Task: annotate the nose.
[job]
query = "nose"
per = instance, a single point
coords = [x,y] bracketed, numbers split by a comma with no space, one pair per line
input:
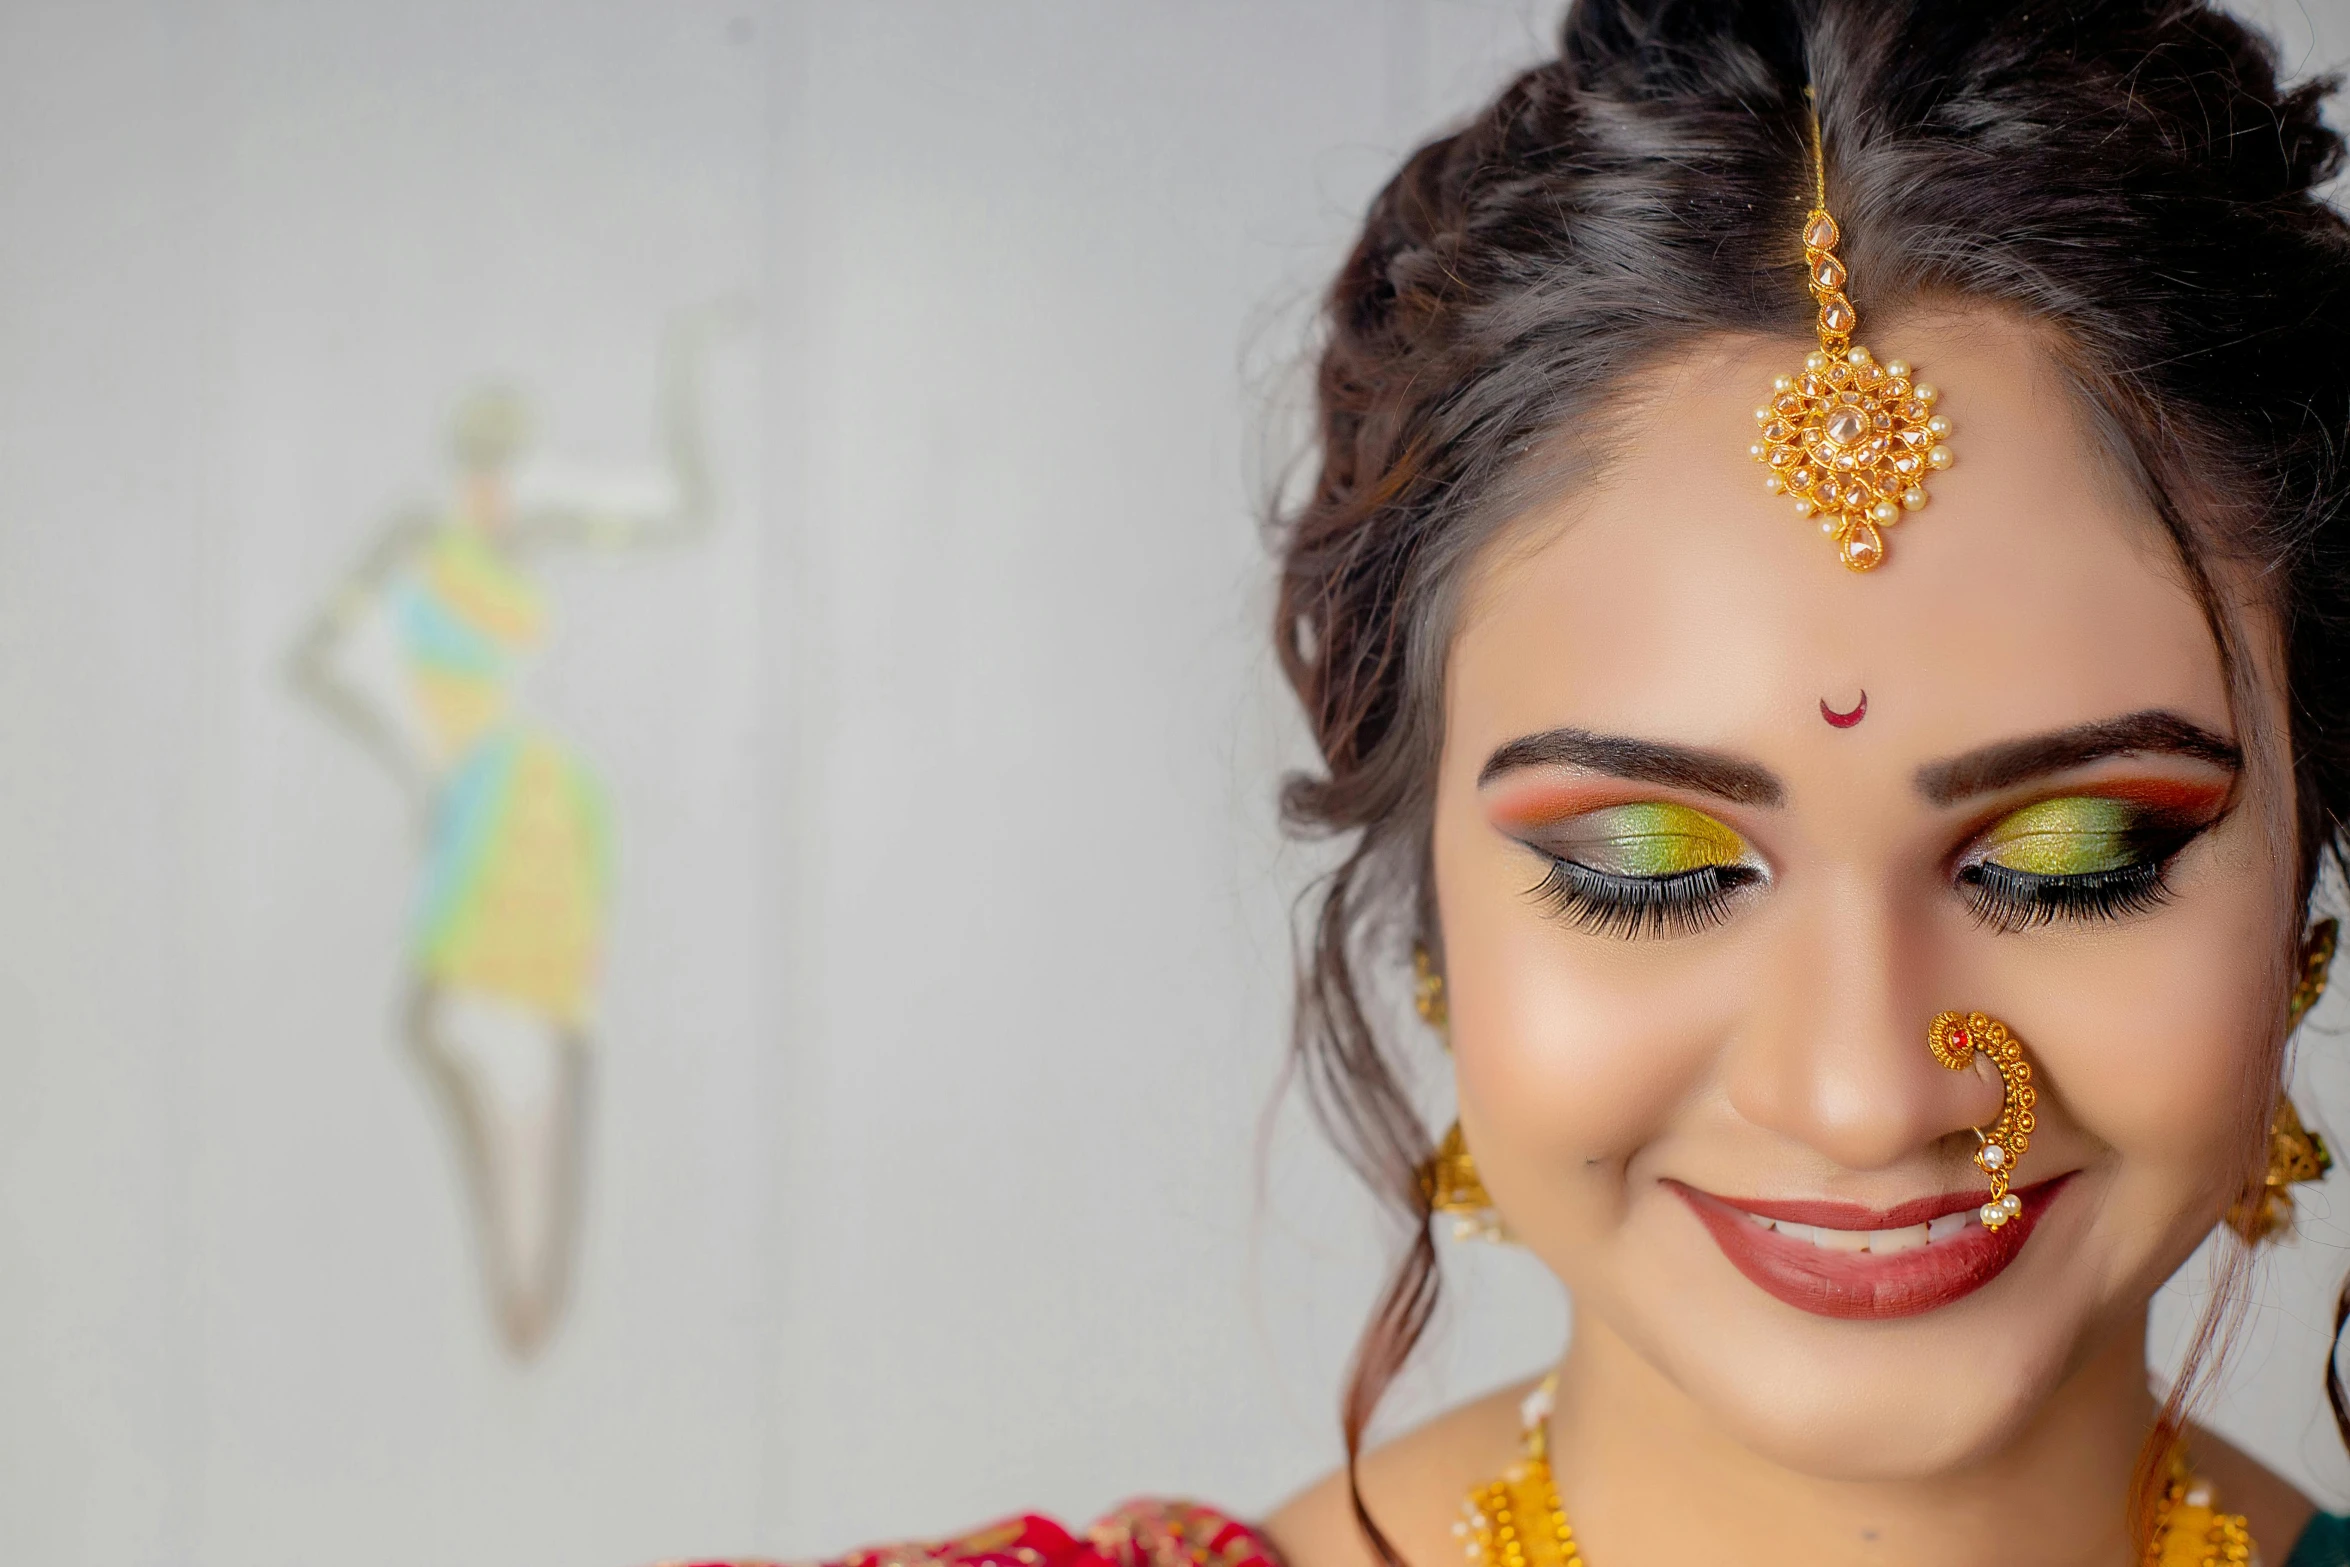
[1832,1052]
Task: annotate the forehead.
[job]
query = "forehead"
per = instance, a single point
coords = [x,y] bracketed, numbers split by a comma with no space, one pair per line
[1672,597]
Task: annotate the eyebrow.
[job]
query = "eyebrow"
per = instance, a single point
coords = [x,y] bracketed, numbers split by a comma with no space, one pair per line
[1649,761]
[2012,762]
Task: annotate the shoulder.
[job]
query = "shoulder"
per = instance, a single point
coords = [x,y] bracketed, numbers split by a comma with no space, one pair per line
[1412,1487]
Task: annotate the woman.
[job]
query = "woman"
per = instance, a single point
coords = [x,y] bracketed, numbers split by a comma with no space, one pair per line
[421,655]
[1865,903]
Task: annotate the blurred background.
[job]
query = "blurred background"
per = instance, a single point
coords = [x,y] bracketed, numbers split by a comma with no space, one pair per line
[844,799]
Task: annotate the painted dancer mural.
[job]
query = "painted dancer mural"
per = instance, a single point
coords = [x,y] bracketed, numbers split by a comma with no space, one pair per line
[419,657]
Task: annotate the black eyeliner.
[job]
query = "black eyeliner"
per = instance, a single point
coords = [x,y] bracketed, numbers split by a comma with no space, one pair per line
[2007,900]
[1633,907]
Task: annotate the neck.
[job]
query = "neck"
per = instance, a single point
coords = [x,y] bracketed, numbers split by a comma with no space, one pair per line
[1647,1477]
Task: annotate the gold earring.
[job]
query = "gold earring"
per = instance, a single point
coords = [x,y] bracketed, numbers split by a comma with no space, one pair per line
[1849,440]
[1954,1039]
[2295,1153]
[1452,1186]
[1449,1179]
[2317,961]
[1428,990]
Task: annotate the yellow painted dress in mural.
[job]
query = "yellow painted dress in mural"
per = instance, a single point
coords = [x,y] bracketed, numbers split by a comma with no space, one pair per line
[512,901]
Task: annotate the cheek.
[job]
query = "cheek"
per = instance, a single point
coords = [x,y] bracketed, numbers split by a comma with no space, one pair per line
[1571,1052]
[2161,1045]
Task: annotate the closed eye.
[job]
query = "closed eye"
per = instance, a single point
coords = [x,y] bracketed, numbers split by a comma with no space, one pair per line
[2076,858]
[1648,869]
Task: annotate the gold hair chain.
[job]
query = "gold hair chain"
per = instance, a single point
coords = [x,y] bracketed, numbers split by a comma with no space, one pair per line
[1851,440]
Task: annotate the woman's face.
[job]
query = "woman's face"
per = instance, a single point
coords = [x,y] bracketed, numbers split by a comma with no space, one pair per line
[1694,932]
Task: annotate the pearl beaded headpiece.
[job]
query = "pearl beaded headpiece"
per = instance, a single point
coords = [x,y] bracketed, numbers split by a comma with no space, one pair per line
[1851,440]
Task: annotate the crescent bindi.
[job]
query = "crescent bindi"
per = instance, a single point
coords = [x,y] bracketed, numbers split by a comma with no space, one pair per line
[1846,720]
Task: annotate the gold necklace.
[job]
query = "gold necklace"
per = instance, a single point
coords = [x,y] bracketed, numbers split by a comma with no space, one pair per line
[1516,1521]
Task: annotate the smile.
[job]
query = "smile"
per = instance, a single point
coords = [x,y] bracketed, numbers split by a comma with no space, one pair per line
[1841,1260]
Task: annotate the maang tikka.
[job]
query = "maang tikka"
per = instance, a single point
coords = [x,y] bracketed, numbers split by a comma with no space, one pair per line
[1851,440]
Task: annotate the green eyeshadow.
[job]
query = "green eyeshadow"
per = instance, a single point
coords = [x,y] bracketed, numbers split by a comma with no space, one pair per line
[1653,838]
[2077,835]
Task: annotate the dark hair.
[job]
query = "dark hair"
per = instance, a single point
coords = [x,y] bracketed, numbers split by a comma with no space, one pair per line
[2127,174]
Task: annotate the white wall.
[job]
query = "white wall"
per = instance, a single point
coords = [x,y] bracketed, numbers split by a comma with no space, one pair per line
[948,964]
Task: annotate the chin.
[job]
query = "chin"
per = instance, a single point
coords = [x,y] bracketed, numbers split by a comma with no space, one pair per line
[1826,1417]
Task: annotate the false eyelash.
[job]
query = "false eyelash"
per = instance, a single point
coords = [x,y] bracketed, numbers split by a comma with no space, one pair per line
[2007,900]
[1637,906]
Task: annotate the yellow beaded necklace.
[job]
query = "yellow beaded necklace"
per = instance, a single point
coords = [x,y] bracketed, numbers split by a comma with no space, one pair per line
[1516,1521]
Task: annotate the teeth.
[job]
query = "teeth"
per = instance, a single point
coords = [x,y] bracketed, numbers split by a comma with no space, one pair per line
[1883,1242]
[1908,1238]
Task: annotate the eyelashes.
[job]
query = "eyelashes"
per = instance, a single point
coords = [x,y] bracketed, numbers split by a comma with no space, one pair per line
[1632,907]
[1649,869]
[1667,870]
[2007,900]
[2082,858]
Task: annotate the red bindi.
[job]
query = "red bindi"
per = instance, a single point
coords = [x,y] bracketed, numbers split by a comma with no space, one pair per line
[1845,720]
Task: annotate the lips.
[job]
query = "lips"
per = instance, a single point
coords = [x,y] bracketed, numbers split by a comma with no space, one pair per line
[1907,1277]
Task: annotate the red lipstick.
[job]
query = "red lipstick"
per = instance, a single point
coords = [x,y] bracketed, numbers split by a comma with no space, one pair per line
[1866,1284]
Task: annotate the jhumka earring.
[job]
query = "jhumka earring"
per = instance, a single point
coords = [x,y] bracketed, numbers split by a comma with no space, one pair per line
[1851,440]
[1449,1179]
[1428,990]
[2295,1154]
[1954,1039]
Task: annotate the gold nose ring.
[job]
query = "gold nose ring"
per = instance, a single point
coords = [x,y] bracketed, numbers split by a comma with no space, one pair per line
[1954,1038]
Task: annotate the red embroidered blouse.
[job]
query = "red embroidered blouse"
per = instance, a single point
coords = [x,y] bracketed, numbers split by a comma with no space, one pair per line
[1139,1534]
